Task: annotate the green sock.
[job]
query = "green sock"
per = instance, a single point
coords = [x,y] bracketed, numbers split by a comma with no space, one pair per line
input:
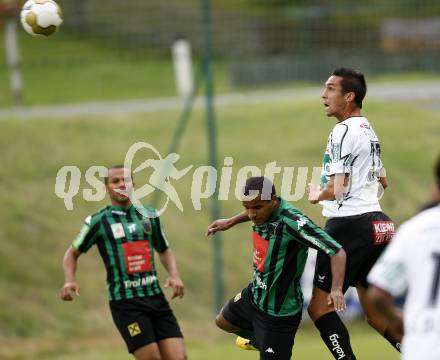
[248,334]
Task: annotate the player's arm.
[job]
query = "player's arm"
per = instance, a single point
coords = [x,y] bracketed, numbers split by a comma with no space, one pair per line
[336,296]
[81,244]
[173,280]
[334,189]
[307,232]
[383,180]
[70,286]
[225,224]
[167,258]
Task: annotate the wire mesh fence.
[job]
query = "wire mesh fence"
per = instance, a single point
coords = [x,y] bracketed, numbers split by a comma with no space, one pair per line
[259,42]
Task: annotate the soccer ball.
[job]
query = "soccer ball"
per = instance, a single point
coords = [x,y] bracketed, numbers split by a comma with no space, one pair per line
[41,17]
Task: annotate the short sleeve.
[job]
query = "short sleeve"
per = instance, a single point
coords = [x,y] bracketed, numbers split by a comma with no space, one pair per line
[341,150]
[160,241]
[88,235]
[389,272]
[305,231]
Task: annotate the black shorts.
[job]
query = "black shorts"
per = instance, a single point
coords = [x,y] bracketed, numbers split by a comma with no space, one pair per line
[145,320]
[275,335]
[363,237]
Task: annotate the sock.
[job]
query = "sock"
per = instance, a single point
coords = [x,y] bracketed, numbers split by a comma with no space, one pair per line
[248,334]
[335,335]
[396,344]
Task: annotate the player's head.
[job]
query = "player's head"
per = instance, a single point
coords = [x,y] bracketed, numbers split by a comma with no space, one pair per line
[352,81]
[259,199]
[343,93]
[119,185]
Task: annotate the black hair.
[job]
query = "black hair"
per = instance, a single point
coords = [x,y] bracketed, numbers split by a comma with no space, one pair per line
[119,166]
[352,81]
[259,185]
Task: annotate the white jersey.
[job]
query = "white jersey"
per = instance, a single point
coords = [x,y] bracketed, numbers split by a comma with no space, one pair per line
[353,148]
[412,262]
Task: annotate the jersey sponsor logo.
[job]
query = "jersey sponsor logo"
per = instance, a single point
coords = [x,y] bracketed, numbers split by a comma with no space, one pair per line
[118,230]
[365,126]
[383,232]
[131,228]
[260,283]
[137,257]
[336,347]
[144,281]
[260,251]
[134,329]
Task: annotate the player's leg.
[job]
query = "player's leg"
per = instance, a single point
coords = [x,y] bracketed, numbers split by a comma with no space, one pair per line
[347,231]
[377,232]
[377,321]
[246,338]
[135,328]
[172,349]
[276,335]
[333,331]
[166,329]
[147,352]
[236,316]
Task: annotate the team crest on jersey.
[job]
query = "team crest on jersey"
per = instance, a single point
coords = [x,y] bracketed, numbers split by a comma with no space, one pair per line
[118,230]
[146,225]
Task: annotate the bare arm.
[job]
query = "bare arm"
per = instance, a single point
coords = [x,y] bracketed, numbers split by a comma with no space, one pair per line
[384,182]
[336,295]
[168,261]
[70,286]
[333,190]
[225,224]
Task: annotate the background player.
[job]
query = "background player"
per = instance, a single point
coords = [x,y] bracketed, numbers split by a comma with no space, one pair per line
[412,263]
[353,176]
[126,239]
[268,311]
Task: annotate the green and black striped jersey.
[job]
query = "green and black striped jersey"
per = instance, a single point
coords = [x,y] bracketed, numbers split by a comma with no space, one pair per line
[280,253]
[125,240]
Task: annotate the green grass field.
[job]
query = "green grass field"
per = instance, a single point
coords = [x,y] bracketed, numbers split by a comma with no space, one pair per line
[36,228]
[213,346]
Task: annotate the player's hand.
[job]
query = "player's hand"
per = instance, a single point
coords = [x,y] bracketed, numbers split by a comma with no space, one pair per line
[176,284]
[336,297]
[68,290]
[218,225]
[313,191]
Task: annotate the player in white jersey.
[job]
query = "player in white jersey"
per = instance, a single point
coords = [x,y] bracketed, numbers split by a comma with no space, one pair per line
[353,176]
[412,264]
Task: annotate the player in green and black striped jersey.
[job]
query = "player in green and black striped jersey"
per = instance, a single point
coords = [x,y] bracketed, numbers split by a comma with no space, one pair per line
[126,237]
[268,311]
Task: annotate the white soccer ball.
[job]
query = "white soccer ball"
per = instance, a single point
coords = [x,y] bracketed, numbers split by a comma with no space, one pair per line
[41,17]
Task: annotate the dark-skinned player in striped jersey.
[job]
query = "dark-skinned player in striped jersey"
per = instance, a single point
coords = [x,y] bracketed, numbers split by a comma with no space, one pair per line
[266,314]
[126,237]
